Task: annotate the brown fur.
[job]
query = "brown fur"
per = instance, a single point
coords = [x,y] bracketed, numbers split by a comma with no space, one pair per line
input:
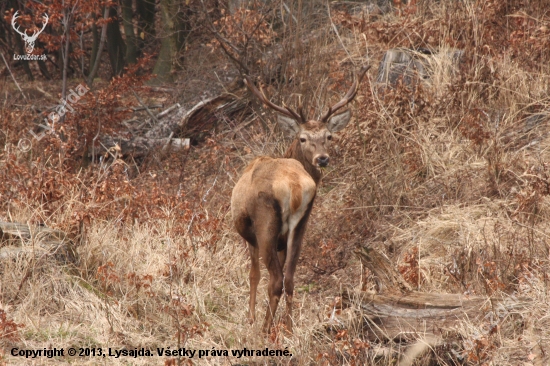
[272,201]
[267,200]
[296,197]
[267,195]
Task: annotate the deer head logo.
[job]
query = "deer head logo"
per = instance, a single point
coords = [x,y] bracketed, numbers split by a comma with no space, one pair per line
[29,40]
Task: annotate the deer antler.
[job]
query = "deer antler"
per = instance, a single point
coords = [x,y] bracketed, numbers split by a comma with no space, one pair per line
[349,95]
[24,34]
[45,17]
[16,27]
[287,111]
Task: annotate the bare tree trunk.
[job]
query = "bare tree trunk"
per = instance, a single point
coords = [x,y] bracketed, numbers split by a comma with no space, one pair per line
[174,33]
[115,43]
[146,20]
[4,31]
[97,59]
[131,39]
[41,63]
[67,29]
[95,45]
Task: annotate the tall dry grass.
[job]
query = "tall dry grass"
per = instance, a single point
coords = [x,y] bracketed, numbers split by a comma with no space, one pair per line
[452,171]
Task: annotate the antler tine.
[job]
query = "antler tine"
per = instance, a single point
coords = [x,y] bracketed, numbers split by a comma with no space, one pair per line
[44,24]
[16,27]
[46,18]
[349,95]
[260,94]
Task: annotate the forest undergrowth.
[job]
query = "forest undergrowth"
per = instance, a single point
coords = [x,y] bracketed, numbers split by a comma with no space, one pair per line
[447,175]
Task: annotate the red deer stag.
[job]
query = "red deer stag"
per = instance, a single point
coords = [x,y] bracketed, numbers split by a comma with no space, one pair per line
[272,201]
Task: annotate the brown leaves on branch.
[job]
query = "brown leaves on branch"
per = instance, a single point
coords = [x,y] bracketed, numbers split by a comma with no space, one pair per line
[9,330]
[242,27]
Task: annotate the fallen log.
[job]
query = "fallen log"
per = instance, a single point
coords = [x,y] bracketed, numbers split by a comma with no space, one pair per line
[414,66]
[18,239]
[195,123]
[398,314]
[139,147]
[205,117]
[396,309]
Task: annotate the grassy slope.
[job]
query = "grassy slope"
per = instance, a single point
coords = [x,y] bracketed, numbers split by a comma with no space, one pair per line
[453,188]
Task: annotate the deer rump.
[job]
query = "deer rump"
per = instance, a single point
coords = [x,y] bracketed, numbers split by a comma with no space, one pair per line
[276,207]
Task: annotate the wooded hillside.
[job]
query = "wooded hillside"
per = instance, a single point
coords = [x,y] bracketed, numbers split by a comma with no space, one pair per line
[126,124]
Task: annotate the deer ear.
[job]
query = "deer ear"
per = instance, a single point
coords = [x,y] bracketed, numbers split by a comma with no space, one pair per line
[339,121]
[289,125]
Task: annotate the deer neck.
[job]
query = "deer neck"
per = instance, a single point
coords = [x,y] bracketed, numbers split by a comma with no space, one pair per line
[295,152]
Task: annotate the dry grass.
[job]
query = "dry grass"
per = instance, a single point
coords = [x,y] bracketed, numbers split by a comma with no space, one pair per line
[458,178]
[207,290]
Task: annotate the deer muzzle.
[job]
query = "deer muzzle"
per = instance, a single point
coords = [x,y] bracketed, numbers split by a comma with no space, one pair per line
[322,160]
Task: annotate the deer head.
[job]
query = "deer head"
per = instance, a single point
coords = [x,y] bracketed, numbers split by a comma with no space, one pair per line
[29,40]
[312,137]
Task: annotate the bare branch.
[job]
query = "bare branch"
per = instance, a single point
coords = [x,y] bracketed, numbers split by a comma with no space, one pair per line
[13,77]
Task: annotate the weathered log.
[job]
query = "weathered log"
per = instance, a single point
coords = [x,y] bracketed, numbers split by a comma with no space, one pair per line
[204,117]
[18,239]
[397,313]
[383,270]
[139,147]
[413,66]
[415,315]
[400,63]
[420,320]
[168,110]
[175,122]
[194,123]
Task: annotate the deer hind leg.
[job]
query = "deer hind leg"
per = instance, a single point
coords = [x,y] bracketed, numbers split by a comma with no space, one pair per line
[281,249]
[267,232]
[295,238]
[267,236]
[275,285]
[245,228]
[254,280]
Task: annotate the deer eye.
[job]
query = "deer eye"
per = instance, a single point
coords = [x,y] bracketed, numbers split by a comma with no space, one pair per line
[329,137]
[302,139]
